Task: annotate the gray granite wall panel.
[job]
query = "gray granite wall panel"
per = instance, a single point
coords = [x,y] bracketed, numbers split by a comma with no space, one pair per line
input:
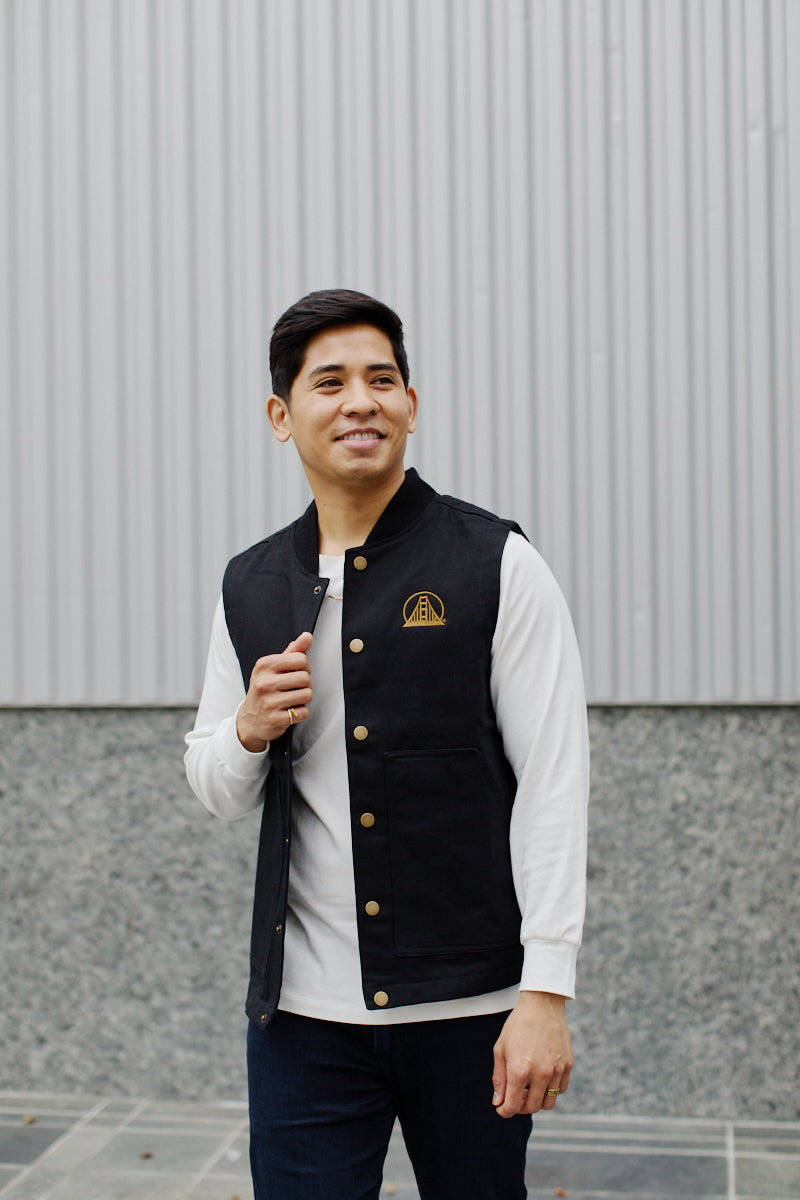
[126,910]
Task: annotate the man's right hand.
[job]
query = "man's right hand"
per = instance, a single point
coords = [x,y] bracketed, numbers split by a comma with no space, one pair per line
[278,683]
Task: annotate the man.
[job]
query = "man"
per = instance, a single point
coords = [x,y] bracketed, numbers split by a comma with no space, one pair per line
[394,680]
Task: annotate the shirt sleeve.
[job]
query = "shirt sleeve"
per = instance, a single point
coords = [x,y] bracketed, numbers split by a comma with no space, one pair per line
[539,700]
[226,777]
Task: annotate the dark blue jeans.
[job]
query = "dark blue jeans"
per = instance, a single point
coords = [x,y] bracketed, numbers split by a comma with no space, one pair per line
[324,1096]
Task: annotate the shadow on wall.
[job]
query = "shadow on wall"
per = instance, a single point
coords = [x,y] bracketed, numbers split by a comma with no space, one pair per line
[126,913]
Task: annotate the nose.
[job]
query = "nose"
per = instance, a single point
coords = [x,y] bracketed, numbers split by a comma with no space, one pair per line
[358,398]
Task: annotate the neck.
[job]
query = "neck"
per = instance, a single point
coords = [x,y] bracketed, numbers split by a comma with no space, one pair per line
[347,520]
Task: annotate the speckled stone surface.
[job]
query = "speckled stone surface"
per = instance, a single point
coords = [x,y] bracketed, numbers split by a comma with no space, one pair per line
[126,912]
[689,983]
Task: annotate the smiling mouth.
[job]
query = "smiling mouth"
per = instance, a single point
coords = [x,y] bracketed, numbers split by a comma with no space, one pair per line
[360,437]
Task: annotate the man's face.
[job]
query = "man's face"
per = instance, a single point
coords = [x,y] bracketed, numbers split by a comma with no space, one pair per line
[349,412]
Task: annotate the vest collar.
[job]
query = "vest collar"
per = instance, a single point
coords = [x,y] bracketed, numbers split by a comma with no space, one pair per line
[408,502]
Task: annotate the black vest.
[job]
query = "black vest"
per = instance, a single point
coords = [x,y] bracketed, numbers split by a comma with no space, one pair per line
[425,761]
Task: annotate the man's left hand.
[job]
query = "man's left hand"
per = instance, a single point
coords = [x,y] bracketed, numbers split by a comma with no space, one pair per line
[532,1056]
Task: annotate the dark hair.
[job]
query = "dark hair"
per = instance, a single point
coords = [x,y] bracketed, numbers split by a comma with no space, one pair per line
[325,310]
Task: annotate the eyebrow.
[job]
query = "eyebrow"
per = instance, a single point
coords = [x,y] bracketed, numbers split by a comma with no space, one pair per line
[338,369]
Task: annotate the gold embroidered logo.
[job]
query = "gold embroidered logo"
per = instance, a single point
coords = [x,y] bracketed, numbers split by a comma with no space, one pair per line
[423,608]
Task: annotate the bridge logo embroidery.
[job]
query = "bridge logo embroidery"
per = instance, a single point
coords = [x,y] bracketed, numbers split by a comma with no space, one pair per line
[423,608]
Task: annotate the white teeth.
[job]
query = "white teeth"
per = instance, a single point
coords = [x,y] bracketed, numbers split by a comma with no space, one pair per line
[358,437]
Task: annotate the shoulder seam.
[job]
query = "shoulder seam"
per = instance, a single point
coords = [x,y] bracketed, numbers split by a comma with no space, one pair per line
[475,510]
[271,537]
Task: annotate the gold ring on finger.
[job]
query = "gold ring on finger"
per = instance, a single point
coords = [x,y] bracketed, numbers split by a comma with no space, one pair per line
[292,716]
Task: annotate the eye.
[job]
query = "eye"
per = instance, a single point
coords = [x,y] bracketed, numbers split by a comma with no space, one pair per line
[329,383]
[384,381]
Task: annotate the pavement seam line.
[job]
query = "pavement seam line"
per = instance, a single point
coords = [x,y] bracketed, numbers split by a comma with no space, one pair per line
[730,1147]
[51,1149]
[215,1158]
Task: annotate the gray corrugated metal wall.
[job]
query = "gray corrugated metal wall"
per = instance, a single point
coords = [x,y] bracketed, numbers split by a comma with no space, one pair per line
[588,212]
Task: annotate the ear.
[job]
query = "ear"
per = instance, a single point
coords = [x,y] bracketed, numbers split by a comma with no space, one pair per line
[412,410]
[279,418]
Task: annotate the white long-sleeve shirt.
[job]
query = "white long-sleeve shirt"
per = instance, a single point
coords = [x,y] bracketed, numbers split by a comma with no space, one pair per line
[538,697]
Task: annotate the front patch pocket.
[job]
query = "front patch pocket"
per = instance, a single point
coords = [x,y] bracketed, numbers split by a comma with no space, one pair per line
[448,844]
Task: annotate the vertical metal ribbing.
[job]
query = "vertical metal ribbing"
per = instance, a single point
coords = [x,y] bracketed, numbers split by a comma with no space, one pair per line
[586,214]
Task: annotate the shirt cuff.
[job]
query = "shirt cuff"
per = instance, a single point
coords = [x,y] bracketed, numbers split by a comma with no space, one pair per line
[245,764]
[549,967]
